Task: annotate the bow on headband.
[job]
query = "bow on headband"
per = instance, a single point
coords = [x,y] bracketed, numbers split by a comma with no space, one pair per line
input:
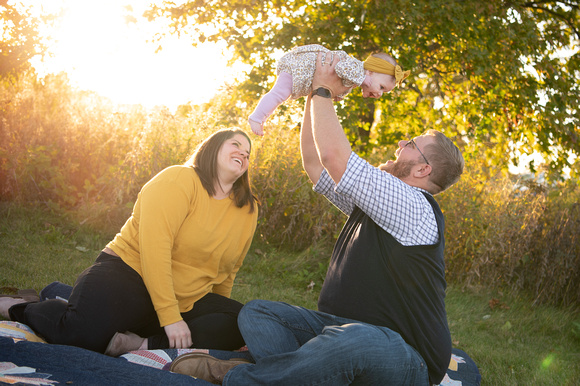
[382,66]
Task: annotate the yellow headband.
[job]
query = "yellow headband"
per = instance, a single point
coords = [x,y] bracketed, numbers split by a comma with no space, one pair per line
[383,67]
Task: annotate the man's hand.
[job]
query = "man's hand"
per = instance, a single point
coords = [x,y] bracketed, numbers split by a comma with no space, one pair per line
[325,75]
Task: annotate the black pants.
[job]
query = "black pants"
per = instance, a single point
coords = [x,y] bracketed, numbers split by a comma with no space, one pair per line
[110,297]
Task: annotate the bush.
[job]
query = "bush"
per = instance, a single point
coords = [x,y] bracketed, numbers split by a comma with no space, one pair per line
[77,151]
[512,234]
[291,214]
[553,266]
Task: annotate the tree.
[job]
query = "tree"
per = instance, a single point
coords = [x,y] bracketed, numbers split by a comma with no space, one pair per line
[500,73]
[20,39]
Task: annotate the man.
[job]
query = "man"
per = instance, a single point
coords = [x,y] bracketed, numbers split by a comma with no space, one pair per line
[381,317]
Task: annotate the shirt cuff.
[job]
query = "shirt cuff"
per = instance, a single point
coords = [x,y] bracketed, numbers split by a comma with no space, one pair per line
[325,184]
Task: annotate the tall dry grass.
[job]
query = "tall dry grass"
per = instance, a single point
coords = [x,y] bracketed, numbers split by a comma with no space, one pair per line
[505,232]
[77,152]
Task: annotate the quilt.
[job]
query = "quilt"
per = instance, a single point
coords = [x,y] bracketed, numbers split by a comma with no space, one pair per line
[25,359]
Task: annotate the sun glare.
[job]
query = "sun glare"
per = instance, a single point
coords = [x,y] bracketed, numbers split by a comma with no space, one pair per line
[102,51]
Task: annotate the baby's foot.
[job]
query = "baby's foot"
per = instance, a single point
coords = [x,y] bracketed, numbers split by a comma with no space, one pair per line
[256,127]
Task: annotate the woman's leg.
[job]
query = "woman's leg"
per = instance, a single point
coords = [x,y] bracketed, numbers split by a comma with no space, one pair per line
[107,297]
[213,324]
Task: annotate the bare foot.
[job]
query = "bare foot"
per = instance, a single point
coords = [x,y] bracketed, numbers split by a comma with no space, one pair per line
[256,127]
[6,303]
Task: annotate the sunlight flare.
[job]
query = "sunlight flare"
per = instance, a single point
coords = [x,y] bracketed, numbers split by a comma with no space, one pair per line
[107,47]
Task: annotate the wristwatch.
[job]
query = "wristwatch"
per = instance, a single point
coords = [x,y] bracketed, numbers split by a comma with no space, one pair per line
[323,92]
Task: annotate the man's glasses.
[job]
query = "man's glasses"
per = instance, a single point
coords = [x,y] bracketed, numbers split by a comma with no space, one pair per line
[416,147]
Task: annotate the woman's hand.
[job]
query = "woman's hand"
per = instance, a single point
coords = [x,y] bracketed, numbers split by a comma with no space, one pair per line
[179,335]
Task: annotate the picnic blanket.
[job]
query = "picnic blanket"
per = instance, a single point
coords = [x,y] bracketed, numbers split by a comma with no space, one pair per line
[35,363]
[25,359]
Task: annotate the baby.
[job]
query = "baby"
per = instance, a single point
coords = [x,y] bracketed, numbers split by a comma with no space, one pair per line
[378,74]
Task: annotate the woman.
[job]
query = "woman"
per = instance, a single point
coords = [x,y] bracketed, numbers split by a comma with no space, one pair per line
[164,281]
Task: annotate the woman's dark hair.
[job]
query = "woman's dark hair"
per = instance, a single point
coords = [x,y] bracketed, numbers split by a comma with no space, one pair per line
[204,162]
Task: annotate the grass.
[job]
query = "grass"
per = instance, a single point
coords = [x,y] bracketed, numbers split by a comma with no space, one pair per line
[39,247]
[512,341]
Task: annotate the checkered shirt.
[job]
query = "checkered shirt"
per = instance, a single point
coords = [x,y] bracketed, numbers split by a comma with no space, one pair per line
[400,209]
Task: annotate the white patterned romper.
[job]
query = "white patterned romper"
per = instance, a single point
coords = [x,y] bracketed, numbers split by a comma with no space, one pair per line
[301,64]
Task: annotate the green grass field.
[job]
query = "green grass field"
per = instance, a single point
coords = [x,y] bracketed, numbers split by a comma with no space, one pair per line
[512,341]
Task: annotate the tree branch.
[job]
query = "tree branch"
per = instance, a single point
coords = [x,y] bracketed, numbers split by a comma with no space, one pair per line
[568,21]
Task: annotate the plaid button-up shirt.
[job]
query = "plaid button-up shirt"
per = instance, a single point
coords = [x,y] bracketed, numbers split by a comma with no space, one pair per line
[398,208]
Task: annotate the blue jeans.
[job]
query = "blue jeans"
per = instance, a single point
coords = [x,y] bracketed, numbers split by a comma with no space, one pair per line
[296,346]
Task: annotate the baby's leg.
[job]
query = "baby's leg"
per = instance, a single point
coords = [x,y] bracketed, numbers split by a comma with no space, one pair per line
[269,102]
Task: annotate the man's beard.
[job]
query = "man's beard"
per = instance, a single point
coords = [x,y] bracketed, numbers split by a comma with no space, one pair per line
[401,169]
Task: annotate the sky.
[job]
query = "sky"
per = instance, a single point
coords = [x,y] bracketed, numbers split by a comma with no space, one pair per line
[100,51]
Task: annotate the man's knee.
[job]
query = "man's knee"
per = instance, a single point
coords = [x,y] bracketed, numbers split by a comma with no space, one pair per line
[363,334]
[262,310]
[259,307]
[252,309]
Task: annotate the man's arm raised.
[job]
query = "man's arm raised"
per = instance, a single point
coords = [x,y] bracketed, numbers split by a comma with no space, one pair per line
[331,143]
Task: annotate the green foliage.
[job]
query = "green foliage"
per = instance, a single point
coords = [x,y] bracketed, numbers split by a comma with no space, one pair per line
[75,149]
[502,74]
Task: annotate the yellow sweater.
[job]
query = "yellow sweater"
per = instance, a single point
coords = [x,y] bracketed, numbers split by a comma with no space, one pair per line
[183,242]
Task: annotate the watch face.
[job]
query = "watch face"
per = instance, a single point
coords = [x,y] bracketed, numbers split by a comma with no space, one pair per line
[323,92]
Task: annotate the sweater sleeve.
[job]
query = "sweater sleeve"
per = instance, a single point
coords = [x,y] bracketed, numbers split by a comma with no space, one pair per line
[164,205]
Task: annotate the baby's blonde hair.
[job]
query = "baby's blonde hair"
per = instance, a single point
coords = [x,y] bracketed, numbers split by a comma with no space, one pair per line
[384,63]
